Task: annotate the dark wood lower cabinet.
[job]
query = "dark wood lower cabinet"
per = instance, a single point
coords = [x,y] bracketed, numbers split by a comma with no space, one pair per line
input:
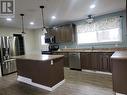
[66,57]
[105,64]
[85,59]
[97,61]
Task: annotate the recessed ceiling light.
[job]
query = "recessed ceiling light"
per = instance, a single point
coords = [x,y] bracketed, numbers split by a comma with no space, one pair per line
[53,17]
[8,19]
[31,23]
[92,6]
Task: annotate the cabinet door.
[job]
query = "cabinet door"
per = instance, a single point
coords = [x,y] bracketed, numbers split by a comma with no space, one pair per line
[66,55]
[69,33]
[58,35]
[95,58]
[66,58]
[105,64]
[109,62]
[85,59]
[63,34]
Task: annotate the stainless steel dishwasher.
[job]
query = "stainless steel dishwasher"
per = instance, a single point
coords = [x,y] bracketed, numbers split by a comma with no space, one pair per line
[74,61]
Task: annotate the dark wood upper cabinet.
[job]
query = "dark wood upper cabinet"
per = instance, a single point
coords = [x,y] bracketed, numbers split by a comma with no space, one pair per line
[63,34]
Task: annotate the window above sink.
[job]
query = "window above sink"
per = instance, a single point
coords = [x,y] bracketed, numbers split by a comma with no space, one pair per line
[105,30]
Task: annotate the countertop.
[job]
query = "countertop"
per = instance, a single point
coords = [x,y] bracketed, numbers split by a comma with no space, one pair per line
[74,50]
[119,55]
[38,57]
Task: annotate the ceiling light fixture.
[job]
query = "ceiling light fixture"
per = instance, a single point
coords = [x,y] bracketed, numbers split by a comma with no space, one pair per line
[22,22]
[90,19]
[8,19]
[43,25]
[53,17]
[92,6]
[31,23]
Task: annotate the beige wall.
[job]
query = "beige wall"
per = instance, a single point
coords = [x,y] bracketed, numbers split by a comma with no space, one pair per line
[38,46]
[29,40]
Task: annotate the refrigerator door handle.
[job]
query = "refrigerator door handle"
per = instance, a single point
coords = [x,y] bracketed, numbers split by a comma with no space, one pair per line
[6,65]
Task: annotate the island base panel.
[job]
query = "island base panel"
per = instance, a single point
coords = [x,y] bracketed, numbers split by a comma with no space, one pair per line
[42,72]
[29,81]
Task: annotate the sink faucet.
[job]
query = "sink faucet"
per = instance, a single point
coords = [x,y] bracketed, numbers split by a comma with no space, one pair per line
[92,47]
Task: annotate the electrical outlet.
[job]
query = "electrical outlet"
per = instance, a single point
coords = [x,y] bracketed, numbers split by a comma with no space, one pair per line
[51,62]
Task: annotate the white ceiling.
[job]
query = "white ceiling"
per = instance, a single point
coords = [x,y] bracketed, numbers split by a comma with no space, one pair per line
[64,10]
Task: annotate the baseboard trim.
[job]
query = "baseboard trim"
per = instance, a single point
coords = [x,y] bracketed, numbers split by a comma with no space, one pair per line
[98,72]
[29,81]
[75,69]
[120,94]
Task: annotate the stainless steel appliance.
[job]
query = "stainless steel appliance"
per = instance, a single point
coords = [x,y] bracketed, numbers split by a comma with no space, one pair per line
[50,39]
[74,61]
[46,52]
[53,47]
[8,47]
[17,45]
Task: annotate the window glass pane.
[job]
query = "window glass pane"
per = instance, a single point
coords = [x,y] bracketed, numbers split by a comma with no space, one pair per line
[108,35]
[43,40]
[88,37]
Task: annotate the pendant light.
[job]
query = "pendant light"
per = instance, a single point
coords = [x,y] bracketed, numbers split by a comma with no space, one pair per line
[22,22]
[43,25]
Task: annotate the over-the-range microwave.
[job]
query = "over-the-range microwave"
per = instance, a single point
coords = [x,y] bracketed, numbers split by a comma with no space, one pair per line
[50,39]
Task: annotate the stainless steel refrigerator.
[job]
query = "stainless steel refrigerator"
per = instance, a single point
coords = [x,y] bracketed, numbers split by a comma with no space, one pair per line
[9,46]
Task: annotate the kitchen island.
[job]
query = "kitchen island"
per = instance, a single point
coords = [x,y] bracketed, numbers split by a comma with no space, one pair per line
[43,71]
[119,71]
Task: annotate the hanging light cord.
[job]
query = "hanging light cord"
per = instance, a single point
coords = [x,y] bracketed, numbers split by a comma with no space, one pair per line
[42,7]
[22,15]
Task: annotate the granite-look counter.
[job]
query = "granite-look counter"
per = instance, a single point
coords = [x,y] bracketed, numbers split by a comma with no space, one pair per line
[38,57]
[119,55]
[79,51]
[43,71]
[69,50]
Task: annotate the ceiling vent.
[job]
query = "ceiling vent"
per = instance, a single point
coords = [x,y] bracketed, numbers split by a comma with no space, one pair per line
[90,19]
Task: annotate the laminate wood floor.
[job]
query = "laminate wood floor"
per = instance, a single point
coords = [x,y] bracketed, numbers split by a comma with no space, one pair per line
[77,83]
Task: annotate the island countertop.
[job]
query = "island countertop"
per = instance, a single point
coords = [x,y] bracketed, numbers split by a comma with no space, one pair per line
[39,57]
[119,55]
